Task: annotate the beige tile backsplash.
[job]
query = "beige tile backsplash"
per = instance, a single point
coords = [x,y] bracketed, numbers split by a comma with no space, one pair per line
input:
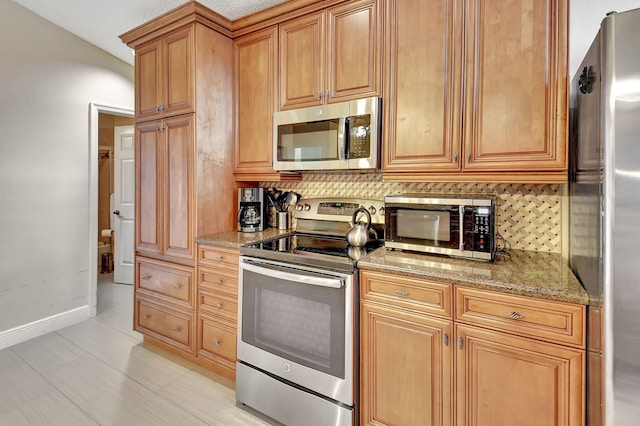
[529,215]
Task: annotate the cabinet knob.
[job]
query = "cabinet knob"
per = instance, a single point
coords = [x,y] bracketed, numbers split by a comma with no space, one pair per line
[146,277]
[219,305]
[445,339]
[460,342]
[217,281]
[455,157]
[514,315]
[178,285]
[401,293]
[146,316]
[177,329]
[217,342]
[218,257]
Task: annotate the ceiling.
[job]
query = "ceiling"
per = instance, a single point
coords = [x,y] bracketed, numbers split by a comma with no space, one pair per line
[100,22]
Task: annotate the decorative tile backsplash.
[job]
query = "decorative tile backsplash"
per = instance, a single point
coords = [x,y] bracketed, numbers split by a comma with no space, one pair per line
[529,215]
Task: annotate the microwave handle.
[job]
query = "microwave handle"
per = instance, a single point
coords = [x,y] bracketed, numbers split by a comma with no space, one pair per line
[343,138]
[461,227]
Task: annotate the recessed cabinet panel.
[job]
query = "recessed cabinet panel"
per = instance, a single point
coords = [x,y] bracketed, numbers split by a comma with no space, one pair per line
[179,96]
[148,88]
[149,187]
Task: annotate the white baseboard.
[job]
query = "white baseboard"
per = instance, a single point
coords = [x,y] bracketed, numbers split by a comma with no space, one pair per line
[25,332]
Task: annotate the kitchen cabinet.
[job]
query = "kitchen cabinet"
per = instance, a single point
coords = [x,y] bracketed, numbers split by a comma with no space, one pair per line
[480,94]
[518,360]
[184,164]
[217,309]
[406,351]
[331,56]
[164,78]
[510,360]
[255,82]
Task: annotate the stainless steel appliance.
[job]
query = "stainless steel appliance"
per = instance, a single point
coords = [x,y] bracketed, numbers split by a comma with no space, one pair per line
[340,136]
[252,209]
[297,342]
[463,227]
[604,204]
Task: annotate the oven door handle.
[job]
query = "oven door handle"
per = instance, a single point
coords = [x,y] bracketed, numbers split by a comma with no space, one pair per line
[298,278]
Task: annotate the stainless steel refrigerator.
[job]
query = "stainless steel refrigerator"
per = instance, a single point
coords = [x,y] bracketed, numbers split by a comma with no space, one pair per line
[604,224]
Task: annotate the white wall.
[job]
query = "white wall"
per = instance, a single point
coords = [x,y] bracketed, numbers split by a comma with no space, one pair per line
[48,77]
[585,18]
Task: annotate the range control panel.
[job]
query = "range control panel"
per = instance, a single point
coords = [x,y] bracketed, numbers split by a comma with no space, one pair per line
[338,209]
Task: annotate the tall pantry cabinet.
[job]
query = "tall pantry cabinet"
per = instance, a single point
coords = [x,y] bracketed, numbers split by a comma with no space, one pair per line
[184,163]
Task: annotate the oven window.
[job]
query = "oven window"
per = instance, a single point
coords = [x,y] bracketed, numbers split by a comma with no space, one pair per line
[314,141]
[300,322]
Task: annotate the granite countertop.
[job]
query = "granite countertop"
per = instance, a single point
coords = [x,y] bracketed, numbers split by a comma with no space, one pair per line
[527,273]
[235,239]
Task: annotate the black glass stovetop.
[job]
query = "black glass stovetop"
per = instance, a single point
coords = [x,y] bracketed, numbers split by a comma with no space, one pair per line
[311,249]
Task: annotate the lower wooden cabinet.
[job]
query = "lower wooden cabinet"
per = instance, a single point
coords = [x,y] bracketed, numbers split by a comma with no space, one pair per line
[405,367]
[164,323]
[511,380]
[499,360]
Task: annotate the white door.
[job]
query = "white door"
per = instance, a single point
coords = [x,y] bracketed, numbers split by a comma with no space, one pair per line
[124,205]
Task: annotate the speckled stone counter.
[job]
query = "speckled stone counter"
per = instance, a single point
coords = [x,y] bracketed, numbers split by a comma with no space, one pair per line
[235,239]
[526,273]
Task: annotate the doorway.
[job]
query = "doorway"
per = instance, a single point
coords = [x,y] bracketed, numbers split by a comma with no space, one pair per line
[102,122]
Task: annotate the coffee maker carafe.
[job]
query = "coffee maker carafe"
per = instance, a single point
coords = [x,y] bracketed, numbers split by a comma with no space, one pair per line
[251,209]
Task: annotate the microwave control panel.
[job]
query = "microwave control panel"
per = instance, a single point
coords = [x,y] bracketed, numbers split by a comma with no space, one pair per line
[359,136]
[483,238]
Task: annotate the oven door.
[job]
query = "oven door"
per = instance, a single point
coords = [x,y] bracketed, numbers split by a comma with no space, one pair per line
[297,323]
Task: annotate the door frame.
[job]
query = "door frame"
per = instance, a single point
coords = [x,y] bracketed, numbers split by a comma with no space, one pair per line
[94,110]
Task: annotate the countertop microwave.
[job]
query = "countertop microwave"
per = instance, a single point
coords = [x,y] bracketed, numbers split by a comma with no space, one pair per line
[339,136]
[462,227]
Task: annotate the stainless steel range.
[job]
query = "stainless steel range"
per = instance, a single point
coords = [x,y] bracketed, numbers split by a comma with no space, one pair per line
[298,317]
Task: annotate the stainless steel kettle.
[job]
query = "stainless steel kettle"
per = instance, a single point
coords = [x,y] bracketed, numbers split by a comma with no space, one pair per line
[361,233]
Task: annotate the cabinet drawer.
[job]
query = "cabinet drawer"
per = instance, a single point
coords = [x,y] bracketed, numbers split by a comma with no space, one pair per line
[163,323]
[218,280]
[217,339]
[218,304]
[218,257]
[411,293]
[162,279]
[543,319]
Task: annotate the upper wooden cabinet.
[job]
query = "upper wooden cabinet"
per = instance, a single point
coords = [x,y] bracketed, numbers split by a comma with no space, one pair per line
[331,56]
[479,91]
[164,76]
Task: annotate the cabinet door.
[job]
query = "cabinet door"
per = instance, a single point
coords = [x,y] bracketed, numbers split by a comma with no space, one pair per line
[255,78]
[178,241]
[149,148]
[354,43]
[516,85]
[405,368]
[179,71]
[503,380]
[302,62]
[148,87]
[422,98]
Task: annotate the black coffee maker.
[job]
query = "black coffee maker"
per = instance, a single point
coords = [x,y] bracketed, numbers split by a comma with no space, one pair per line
[251,209]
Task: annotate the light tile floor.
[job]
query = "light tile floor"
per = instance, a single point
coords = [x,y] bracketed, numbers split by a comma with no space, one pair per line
[99,372]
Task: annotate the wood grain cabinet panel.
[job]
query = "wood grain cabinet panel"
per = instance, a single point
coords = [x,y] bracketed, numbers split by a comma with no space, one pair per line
[217,341]
[503,379]
[331,56]
[482,90]
[164,323]
[218,280]
[165,280]
[219,258]
[219,304]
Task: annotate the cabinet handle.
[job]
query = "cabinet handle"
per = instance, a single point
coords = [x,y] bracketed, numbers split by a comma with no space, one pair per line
[157,108]
[455,157]
[514,315]
[217,342]
[162,108]
[326,94]
[445,339]
[217,281]
[146,316]
[218,257]
[319,95]
[178,285]
[146,278]
[468,157]
[177,329]
[219,305]
[401,293]
[460,342]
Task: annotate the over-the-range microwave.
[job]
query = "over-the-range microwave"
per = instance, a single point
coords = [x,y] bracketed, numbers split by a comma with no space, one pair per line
[339,136]
[462,227]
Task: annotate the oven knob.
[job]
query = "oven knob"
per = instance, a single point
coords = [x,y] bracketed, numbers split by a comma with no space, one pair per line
[307,207]
[372,210]
[299,207]
[286,367]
